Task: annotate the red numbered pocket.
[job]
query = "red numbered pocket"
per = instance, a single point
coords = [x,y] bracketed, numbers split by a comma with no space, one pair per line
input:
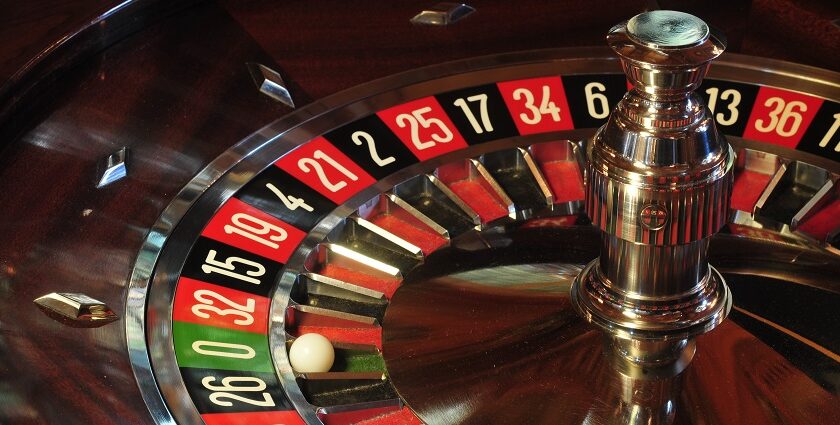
[213,305]
[321,166]
[247,228]
[537,105]
[423,127]
[781,117]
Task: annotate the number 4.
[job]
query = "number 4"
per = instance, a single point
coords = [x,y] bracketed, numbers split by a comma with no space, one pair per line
[290,202]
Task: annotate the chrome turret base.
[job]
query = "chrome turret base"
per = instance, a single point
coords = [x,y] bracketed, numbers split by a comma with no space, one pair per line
[649,336]
[658,182]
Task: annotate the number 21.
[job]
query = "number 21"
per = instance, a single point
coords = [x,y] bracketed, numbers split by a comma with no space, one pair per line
[305,163]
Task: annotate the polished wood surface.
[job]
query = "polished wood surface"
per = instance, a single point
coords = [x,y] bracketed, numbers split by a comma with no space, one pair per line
[167,80]
[167,97]
[488,335]
[33,27]
[43,39]
[763,28]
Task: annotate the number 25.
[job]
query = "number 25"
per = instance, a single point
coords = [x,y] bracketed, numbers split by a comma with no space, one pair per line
[416,120]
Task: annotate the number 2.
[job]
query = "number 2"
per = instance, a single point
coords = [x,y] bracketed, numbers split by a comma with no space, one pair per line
[360,138]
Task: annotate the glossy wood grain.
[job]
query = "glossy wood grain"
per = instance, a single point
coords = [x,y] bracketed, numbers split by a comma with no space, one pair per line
[176,97]
[371,41]
[32,27]
[44,39]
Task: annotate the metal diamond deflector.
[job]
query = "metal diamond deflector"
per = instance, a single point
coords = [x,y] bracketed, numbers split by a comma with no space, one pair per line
[270,83]
[77,310]
[443,14]
[114,167]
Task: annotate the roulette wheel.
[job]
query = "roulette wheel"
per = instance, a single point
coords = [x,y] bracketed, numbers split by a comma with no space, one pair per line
[342,212]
